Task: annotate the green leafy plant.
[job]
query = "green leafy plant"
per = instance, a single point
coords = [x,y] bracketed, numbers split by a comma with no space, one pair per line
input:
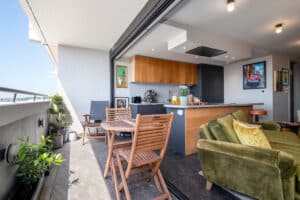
[58,115]
[34,159]
[183,91]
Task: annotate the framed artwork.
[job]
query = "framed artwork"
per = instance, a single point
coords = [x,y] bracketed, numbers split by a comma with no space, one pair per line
[121,102]
[121,76]
[285,76]
[254,75]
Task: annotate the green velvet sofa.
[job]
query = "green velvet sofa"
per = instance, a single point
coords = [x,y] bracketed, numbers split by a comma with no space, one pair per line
[266,174]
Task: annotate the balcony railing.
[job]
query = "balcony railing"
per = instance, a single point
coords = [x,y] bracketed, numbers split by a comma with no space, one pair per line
[9,95]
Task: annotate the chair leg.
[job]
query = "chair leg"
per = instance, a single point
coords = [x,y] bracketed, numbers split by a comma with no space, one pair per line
[115,179]
[208,185]
[124,183]
[157,183]
[83,135]
[163,184]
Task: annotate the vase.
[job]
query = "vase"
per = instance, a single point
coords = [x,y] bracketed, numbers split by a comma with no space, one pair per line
[183,100]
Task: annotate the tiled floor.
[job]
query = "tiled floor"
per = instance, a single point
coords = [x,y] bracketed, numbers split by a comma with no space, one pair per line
[183,173]
[81,176]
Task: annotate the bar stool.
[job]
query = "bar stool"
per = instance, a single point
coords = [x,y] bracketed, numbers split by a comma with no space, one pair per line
[256,113]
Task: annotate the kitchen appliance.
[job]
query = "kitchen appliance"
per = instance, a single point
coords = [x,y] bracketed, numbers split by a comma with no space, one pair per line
[136,99]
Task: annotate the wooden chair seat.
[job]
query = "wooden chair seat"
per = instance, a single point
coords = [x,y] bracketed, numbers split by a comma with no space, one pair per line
[140,159]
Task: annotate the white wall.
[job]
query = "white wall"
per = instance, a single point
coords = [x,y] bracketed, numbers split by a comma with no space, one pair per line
[281,100]
[83,75]
[233,86]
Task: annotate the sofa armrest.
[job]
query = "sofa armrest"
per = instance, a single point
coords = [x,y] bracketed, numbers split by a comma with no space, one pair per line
[245,169]
[272,126]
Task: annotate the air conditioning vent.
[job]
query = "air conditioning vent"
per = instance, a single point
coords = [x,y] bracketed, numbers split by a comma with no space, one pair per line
[206,51]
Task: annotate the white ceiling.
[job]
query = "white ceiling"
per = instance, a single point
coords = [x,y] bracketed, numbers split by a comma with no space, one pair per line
[251,22]
[96,24]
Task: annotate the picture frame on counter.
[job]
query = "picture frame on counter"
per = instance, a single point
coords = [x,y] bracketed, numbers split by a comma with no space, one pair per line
[121,102]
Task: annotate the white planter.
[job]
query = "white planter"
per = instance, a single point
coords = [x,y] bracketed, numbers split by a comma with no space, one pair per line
[183,100]
[72,136]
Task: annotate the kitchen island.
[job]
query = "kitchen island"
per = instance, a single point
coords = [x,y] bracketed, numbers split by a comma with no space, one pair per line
[188,119]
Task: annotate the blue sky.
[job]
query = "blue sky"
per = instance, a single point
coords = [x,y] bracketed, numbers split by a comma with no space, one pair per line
[23,64]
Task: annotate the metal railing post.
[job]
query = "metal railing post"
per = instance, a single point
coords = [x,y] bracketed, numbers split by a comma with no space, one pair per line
[15,97]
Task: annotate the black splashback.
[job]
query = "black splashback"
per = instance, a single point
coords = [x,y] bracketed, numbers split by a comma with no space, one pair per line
[210,87]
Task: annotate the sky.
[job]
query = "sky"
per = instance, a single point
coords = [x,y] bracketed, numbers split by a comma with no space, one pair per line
[24,65]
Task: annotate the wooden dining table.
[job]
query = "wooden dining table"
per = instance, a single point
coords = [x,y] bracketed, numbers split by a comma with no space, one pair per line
[112,128]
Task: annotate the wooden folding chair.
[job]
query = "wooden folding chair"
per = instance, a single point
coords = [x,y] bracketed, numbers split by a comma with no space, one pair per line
[116,114]
[151,135]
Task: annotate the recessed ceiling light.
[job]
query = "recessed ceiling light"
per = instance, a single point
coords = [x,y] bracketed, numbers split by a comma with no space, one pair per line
[152,49]
[184,47]
[230,5]
[278,28]
[226,56]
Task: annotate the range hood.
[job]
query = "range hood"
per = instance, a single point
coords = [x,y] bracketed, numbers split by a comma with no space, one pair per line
[206,51]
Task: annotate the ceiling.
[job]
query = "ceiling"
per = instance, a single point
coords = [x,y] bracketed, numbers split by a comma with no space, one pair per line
[96,24]
[252,22]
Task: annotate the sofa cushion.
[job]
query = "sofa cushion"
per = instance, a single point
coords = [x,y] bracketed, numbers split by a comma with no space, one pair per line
[241,116]
[250,134]
[226,123]
[295,152]
[287,138]
[216,129]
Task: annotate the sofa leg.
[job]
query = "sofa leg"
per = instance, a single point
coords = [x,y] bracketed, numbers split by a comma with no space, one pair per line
[208,185]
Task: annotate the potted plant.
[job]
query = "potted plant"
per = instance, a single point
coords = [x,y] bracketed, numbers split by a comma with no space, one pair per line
[58,121]
[183,95]
[33,161]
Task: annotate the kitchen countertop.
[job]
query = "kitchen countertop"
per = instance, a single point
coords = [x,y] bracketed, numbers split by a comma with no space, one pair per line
[213,105]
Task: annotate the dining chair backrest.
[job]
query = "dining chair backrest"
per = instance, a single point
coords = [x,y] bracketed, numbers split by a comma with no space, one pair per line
[97,110]
[152,133]
[115,114]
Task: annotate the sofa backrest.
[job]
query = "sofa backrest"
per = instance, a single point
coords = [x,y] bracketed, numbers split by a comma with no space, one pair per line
[221,129]
[241,116]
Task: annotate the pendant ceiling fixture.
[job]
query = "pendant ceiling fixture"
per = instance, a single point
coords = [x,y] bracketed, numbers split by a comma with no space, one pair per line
[230,5]
[278,28]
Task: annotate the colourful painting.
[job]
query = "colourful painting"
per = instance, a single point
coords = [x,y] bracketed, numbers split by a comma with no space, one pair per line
[121,76]
[254,75]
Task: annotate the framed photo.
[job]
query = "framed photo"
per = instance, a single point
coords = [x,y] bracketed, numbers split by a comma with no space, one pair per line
[121,102]
[285,76]
[121,76]
[254,75]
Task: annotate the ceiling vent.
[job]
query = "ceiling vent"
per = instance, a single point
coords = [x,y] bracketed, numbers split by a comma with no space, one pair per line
[206,51]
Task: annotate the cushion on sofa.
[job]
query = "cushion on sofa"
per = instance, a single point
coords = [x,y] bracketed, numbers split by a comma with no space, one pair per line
[226,123]
[241,116]
[216,129]
[250,134]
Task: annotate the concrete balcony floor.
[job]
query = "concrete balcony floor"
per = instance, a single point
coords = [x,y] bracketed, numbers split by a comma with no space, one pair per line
[81,176]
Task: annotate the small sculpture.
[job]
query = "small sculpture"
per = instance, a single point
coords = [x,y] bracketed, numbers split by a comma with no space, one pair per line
[149,96]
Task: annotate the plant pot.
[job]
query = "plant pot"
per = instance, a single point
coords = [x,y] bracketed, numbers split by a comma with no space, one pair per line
[65,135]
[73,136]
[38,189]
[183,100]
[57,141]
[27,191]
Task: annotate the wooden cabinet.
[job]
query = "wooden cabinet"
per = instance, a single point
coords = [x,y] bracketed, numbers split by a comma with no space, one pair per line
[154,70]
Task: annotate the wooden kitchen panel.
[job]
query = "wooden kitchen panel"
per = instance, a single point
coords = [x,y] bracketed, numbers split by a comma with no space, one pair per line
[154,70]
[194,118]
